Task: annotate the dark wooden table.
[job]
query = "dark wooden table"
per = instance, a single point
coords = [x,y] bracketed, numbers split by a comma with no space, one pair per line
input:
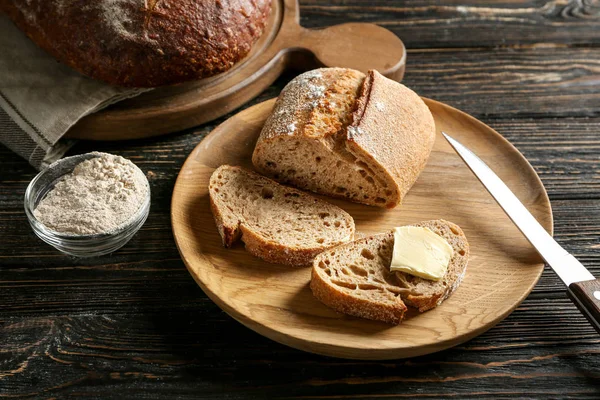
[134,324]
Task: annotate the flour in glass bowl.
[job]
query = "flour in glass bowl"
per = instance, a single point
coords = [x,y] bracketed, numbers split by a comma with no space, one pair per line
[99,196]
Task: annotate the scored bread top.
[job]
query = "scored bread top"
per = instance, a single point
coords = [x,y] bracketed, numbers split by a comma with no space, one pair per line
[342,133]
[277,223]
[317,104]
[355,278]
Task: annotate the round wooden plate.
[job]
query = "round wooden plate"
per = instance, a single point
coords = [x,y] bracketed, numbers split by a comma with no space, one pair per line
[276,300]
[284,44]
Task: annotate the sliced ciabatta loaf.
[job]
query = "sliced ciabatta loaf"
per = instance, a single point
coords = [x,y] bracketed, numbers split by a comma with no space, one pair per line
[342,133]
[277,223]
[355,278]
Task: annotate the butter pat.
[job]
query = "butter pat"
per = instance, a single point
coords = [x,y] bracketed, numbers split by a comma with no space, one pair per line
[420,252]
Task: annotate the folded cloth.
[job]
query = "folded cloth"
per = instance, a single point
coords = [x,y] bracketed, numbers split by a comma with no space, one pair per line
[40,99]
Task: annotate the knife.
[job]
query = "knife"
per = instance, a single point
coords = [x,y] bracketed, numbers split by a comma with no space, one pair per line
[583,288]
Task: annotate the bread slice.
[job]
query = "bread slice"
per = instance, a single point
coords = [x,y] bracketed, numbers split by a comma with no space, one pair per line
[342,133]
[355,278]
[277,223]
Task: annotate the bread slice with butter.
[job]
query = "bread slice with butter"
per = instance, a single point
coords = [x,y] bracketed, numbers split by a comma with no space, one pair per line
[277,223]
[355,278]
[421,252]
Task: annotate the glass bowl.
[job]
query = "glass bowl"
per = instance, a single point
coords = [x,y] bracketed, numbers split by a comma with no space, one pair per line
[69,243]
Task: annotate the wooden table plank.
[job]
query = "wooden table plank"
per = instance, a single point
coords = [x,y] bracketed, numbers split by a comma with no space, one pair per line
[448,23]
[190,353]
[505,83]
[564,152]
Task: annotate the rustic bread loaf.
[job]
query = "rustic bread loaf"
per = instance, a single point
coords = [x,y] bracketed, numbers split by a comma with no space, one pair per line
[338,132]
[142,43]
[355,278]
[277,223]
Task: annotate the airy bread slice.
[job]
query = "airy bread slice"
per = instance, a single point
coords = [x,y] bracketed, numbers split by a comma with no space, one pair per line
[277,223]
[342,133]
[355,278]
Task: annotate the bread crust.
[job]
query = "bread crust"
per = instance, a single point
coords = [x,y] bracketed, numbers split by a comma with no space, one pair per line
[142,43]
[393,130]
[229,234]
[277,253]
[390,133]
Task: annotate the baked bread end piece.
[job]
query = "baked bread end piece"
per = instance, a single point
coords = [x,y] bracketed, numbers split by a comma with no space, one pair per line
[392,132]
[339,132]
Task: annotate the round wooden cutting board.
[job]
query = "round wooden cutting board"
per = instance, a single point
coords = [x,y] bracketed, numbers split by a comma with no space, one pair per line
[276,300]
[284,44]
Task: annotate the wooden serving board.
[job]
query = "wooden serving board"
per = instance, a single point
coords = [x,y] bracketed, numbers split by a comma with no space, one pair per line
[276,300]
[284,44]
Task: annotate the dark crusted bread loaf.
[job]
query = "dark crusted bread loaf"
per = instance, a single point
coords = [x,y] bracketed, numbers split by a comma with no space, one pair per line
[277,223]
[355,278]
[142,43]
[338,132]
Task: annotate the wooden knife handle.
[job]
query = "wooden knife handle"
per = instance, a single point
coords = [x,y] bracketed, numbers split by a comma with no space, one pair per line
[586,296]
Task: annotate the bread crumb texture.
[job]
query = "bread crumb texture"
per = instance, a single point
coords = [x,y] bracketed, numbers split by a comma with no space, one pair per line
[355,278]
[277,223]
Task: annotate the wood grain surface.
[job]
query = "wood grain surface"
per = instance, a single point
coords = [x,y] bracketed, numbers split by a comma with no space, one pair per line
[275,300]
[135,324]
[586,296]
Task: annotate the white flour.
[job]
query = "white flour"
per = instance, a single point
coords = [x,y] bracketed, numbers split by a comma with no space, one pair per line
[100,194]
[354,131]
[115,13]
[291,128]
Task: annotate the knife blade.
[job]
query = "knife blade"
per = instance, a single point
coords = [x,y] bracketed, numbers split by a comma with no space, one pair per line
[583,287]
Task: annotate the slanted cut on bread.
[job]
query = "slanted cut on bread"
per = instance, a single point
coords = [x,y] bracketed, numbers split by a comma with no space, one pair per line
[342,133]
[355,278]
[277,223]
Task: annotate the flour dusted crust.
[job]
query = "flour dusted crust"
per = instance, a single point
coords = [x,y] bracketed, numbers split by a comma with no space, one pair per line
[342,133]
[142,43]
[355,278]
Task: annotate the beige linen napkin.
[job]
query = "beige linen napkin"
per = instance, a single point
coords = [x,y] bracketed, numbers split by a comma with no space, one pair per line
[40,99]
